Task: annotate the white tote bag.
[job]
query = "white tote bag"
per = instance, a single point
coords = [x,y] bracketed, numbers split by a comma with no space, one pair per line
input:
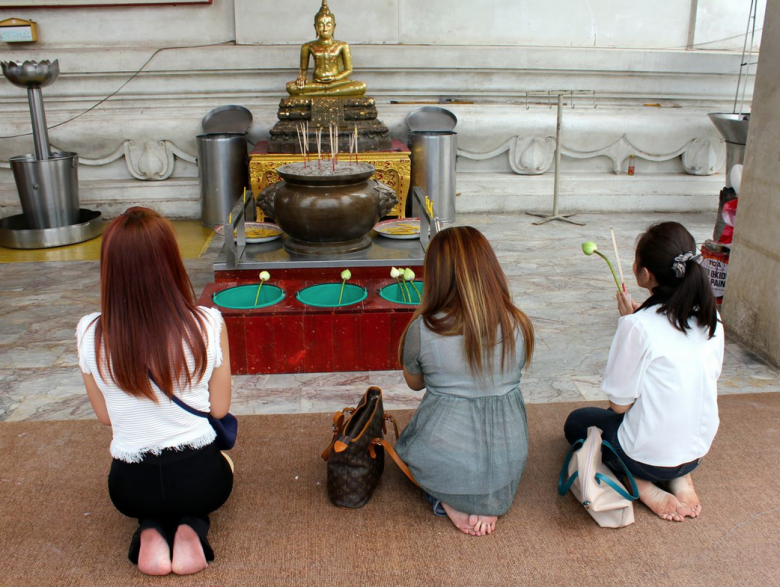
[594,485]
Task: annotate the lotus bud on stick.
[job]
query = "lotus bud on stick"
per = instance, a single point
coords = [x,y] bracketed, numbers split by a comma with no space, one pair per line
[345,276]
[589,248]
[264,276]
[397,274]
[409,276]
[403,282]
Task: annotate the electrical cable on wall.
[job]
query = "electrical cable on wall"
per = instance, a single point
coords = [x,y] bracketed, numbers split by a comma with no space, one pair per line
[119,89]
[161,49]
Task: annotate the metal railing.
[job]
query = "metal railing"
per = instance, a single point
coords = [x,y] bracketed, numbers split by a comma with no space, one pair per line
[429,224]
[235,244]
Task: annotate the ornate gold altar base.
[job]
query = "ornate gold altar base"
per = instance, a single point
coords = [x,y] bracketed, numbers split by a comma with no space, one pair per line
[392,168]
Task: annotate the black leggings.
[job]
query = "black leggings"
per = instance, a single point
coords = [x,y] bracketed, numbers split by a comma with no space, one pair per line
[577,425]
[174,488]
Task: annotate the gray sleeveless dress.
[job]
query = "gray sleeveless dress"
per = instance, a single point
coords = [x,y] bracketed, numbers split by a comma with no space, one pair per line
[467,443]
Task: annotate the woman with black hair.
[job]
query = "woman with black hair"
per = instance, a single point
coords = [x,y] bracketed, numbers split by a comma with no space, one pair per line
[661,376]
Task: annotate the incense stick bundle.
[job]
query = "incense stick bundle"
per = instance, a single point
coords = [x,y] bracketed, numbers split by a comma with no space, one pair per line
[332,148]
[356,144]
[318,133]
[617,258]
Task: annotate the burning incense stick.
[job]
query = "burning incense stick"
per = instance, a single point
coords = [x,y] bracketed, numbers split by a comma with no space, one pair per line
[617,259]
[332,149]
[318,134]
[356,145]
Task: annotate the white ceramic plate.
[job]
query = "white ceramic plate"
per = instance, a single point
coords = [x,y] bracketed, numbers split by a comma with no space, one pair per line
[257,232]
[399,228]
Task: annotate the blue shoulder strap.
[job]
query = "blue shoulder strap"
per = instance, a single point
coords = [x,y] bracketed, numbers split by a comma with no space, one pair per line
[565,484]
[181,403]
[622,492]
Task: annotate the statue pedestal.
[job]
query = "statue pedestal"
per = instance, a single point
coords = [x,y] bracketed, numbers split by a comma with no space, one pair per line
[393,168]
[347,113]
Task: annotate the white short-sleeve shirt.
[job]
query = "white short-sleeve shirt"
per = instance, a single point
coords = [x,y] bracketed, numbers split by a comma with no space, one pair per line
[671,377]
[142,426]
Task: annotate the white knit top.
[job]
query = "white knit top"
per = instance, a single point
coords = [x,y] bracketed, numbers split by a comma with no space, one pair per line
[142,426]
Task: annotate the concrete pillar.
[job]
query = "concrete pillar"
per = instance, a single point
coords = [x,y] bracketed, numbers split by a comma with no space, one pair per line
[751,306]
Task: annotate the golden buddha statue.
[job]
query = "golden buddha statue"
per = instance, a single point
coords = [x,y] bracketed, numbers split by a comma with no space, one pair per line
[332,62]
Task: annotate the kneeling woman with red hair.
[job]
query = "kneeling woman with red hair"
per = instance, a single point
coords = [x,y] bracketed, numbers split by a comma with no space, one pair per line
[149,343]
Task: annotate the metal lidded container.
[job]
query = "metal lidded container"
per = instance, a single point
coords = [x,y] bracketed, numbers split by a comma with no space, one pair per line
[222,162]
[434,147]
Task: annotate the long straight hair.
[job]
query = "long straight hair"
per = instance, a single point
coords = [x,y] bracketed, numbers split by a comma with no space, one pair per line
[148,307]
[679,298]
[466,293]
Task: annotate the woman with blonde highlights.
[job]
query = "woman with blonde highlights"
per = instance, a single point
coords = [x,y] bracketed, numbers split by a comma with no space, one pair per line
[149,344]
[466,344]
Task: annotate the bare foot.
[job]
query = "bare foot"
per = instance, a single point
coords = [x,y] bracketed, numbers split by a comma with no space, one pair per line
[666,505]
[483,524]
[462,521]
[154,557]
[188,556]
[683,490]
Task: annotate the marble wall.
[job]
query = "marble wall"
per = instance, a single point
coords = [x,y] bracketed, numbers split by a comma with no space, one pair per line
[635,90]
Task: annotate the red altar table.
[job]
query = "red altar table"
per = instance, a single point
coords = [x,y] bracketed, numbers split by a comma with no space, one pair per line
[290,337]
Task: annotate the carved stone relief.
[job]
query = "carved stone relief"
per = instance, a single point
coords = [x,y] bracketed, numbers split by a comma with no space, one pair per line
[148,161]
[534,155]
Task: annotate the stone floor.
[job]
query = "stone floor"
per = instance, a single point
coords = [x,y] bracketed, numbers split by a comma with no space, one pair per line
[569,297]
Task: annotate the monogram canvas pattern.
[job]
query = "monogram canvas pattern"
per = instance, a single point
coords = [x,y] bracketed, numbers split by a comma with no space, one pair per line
[352,474]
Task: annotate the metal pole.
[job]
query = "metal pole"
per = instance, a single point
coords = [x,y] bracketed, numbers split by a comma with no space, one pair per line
[38,118]
[753,8]
[557,178]
[692,24]
[556,181]
[742,62]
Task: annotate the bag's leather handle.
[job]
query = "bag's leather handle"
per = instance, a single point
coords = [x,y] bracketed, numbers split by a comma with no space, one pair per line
[395,425]
[394,455]
[339,420]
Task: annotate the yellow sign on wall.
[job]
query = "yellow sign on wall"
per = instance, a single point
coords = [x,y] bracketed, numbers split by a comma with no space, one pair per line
[17,30]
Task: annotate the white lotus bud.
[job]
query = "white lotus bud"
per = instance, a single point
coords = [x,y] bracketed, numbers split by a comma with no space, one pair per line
[346,275]
[395,273]
[265,276]
[408,275]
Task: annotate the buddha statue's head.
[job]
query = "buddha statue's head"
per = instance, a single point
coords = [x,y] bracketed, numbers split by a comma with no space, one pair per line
[324,21]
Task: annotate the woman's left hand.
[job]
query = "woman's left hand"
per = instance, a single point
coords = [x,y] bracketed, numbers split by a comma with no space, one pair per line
[626,305]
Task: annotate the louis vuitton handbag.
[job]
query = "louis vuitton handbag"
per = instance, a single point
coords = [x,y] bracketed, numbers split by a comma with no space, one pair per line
[354,464]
